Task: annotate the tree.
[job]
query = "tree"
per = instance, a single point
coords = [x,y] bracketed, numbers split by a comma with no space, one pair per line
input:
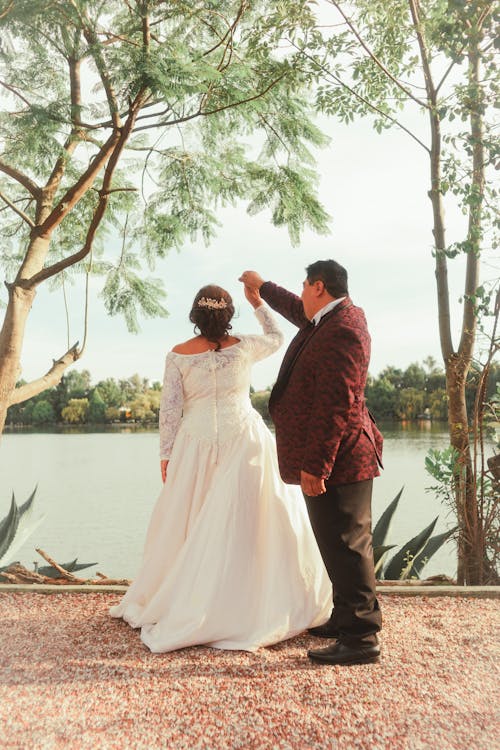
[43,413]
[78,384]
[381,397]
[110,392]
[129,117]
[97,407]
[414,376]
[437,55]
[76,411]
[260,402]
[411,403]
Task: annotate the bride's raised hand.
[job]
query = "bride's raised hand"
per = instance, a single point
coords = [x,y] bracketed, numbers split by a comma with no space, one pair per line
[253,296]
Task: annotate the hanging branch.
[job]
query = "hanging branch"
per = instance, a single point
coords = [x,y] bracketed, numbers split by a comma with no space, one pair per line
[18,211]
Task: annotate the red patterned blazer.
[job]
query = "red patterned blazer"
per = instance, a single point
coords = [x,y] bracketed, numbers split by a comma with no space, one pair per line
[317,404]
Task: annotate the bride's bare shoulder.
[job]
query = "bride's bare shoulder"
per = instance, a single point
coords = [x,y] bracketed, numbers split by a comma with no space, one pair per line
[199,345]
[192,346]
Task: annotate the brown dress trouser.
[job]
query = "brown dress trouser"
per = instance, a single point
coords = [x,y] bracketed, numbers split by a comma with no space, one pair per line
[341,521]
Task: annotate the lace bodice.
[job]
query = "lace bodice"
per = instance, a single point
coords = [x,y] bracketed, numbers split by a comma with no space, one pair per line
[207,394]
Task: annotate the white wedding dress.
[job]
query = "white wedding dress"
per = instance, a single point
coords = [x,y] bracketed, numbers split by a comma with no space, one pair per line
[230,560]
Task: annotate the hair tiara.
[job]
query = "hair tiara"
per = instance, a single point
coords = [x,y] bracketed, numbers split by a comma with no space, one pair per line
[212,304]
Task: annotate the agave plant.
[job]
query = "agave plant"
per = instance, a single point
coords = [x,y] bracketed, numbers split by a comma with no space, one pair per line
[410,559]
[17,526]
[15,529]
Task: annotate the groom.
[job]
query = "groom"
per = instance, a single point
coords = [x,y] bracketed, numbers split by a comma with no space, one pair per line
[328,443]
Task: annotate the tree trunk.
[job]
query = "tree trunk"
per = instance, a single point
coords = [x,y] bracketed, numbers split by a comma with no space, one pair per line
[471,539]
[470,548]
[11,342]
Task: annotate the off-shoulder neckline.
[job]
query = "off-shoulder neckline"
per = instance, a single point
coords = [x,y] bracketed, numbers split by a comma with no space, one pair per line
[209,351]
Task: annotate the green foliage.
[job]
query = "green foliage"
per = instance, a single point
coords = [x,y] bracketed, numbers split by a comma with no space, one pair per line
[43,413]
[76,411]
[224,115]
[444,466]
[76,401]
[382,531]
[110,392]
[411,558]
[419,390]
[16,527]
[97,407]
[260,401]
[386,397]
[401,565]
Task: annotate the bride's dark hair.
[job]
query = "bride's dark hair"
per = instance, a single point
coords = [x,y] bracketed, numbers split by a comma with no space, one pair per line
[211,313]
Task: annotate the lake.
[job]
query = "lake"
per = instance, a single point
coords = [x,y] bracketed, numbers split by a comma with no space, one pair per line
[97,489]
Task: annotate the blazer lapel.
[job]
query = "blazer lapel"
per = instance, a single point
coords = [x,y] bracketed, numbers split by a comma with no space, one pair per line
[297,345]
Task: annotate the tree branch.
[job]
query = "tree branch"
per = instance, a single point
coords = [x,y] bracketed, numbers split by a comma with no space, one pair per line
[361,98]
[96,53]
[100,209]
[375,59]
[79,189]
[22,178]
[7,10]
[13,90]
[50,379]
[72,141]
[469,320]
[17,210]
[207,113]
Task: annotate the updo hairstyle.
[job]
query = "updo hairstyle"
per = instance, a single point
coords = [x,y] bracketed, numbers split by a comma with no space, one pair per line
[211,317]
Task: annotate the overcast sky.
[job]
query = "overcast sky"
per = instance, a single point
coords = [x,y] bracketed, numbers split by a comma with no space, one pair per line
[374,187]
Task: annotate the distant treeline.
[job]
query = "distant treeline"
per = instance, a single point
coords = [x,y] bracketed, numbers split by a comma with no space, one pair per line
[419,391]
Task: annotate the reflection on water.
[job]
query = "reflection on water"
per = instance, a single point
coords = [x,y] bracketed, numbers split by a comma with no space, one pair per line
[82,429]
[97,489]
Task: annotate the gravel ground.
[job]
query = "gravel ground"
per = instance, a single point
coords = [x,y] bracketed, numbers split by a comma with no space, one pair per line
[71,677]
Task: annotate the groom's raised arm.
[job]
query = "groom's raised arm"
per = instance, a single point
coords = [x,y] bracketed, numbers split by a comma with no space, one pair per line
[286,303]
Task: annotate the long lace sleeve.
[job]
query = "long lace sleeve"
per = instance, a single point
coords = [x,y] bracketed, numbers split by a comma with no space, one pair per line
[270,340]
[172,399]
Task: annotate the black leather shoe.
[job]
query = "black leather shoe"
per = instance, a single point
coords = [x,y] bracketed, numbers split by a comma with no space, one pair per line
[327,630]
[339,653]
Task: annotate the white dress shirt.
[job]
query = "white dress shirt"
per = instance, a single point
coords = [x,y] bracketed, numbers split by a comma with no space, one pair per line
[326,309]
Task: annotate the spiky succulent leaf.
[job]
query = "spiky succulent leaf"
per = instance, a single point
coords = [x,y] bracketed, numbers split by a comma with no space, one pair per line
[379,554]
[383,526]
[400,566]
[432,546]
[8,528]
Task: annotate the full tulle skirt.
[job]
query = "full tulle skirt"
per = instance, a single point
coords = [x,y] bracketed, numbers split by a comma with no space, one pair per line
[230,560]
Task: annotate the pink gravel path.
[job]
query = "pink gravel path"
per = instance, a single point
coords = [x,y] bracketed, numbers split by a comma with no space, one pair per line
[71,677]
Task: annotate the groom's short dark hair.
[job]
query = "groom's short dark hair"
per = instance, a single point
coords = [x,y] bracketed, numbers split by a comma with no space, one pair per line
[332,274]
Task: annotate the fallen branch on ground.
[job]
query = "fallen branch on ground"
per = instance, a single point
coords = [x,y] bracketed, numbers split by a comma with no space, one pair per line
[18,574]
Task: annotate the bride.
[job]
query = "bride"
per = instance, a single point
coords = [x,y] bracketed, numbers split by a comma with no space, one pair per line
[230,560]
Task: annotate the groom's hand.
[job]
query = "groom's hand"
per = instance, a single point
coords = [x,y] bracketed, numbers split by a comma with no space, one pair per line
[251,279]
[311,486]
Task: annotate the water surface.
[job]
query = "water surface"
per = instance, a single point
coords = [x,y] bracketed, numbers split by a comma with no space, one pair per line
[97,490]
